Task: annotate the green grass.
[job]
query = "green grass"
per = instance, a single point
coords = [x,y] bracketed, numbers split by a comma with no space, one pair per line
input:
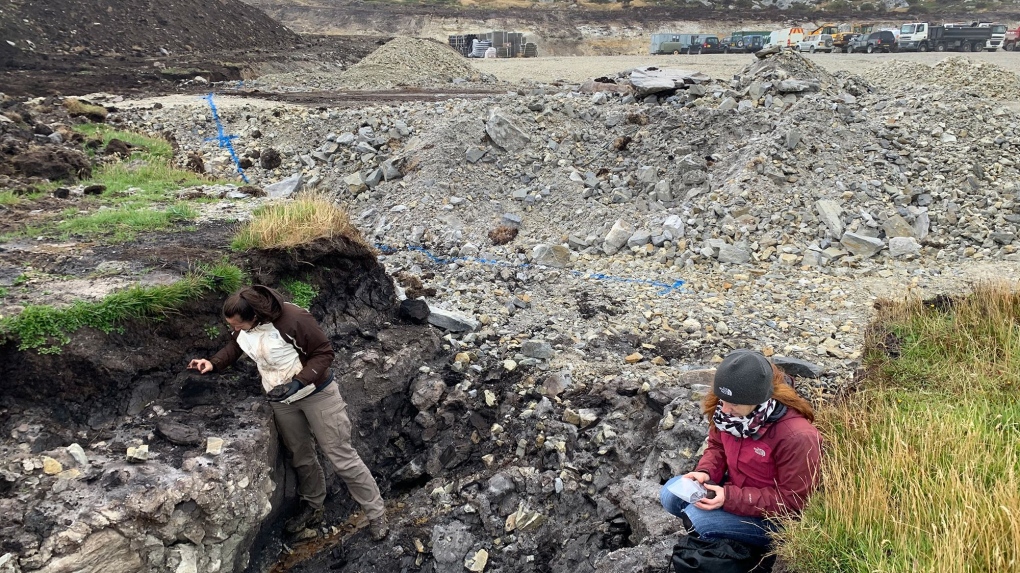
[119,225]
[10,198]
[112,225]
[302,293]
[139,196]
[922,466]
[153,180]
[46,328]
[153,147]
[148,170]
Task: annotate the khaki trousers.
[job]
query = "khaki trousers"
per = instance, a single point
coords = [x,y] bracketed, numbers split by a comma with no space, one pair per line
[323,415]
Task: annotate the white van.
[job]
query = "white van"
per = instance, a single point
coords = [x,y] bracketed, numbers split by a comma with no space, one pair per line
[785,38]
[816,43]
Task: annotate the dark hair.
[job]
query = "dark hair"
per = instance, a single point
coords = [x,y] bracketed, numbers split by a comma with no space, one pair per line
[237,306]
[254,302]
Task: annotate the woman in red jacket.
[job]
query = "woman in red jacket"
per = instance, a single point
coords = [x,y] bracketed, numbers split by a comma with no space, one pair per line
[762,458]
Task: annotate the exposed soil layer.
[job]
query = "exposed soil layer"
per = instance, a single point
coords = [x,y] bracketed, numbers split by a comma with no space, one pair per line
[110,390]
[139,27]
[27,74]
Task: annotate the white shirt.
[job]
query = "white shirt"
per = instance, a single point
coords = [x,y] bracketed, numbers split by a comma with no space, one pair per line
[278,361]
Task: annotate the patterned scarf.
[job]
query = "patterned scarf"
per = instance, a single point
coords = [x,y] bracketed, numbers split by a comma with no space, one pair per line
[752,425]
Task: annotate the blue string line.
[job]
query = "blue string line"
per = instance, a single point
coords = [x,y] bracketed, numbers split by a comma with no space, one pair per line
[223,139]
[666,287]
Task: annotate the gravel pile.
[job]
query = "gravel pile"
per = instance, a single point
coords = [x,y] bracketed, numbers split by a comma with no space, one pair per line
[781,171]
[957,73]
[408,62]
[788,65]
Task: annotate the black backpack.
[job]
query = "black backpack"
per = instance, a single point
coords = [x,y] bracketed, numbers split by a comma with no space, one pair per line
[697,555]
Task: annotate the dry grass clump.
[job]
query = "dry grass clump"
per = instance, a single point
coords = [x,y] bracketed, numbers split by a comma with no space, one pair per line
[308,218]
[502,234]
[78,108]
[921,470]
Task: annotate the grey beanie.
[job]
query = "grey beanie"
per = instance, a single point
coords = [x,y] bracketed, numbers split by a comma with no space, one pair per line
[744,377]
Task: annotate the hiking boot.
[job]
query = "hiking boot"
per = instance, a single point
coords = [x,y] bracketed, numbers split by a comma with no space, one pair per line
[378,528]
[309,517]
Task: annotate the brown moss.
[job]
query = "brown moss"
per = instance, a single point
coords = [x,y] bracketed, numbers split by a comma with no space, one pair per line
[502,234]
[78,108]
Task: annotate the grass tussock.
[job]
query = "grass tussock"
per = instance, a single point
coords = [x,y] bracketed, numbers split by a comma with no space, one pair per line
[921,469]
[78,108]
[309,217]
[46,328]
[149,175]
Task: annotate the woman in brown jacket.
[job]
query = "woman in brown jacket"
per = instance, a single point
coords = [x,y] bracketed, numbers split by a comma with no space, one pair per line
[293,356]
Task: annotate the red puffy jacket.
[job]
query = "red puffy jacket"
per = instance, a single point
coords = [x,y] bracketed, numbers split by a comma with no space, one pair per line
[770,475]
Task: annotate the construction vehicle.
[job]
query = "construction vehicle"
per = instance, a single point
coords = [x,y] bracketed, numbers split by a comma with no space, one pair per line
[829,29]
[998,35]
[846,31]
[1010,39]
[924,36]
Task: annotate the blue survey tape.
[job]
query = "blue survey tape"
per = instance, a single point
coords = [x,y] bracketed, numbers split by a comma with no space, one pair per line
[665,287]
[223,139]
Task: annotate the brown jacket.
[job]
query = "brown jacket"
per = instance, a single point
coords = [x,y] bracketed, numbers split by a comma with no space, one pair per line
[299,328]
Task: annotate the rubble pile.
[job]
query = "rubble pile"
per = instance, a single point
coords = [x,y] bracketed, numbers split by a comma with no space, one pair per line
[788,65]
[957,73]
[840,178]
[414,62]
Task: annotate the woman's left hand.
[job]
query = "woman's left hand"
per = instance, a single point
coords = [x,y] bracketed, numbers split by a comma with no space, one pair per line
[714,503]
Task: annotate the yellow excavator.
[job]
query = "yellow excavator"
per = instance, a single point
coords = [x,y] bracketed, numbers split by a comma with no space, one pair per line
[846,31]
[830,29]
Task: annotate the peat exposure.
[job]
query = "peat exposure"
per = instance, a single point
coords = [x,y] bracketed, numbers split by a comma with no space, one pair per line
[81,46]
[118,459]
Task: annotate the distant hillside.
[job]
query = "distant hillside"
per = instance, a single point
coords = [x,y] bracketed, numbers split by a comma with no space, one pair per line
[125,26]
[593,28]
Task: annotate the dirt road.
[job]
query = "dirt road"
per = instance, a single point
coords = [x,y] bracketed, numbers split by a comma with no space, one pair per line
[578,69]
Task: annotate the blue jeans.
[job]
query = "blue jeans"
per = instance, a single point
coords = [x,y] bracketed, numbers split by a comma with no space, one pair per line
[716,524]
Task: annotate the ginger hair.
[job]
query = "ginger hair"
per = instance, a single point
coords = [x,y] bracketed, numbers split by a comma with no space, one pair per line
[782,391]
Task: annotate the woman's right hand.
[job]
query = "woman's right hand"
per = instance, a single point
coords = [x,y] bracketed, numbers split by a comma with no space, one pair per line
[200,364]
[700,477]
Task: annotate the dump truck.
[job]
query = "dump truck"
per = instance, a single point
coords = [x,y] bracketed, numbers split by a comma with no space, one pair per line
[998,38]
[1010,39]
[925,36]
